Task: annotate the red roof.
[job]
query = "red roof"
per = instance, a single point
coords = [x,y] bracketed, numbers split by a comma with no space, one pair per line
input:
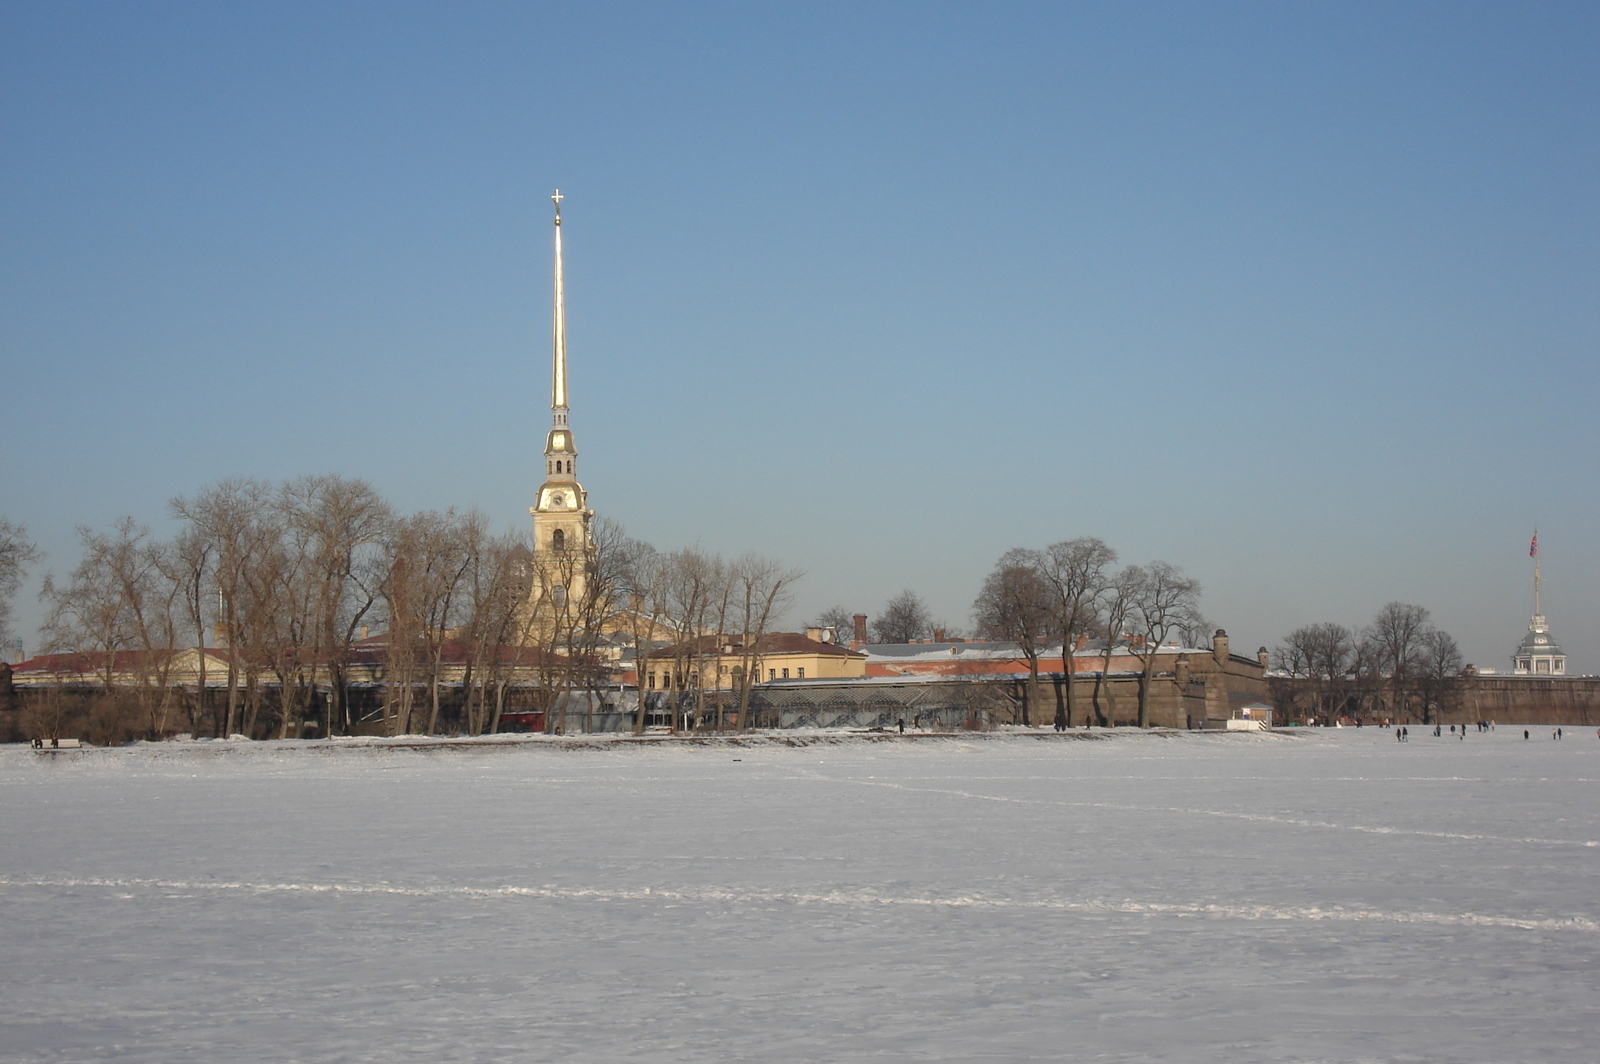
[770,644]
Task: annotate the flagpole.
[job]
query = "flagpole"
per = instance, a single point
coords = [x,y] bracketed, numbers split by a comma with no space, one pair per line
[1533,549]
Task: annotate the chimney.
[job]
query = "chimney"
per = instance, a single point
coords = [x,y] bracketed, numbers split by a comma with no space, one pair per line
[1181,670]
[830,635]
[1219,647]
[1263,657]
[364,631]
[1083,641]
[938,635]
[861,627]
[814,634]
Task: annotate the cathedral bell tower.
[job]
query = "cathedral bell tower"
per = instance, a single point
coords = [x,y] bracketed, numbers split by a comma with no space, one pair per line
[562,545]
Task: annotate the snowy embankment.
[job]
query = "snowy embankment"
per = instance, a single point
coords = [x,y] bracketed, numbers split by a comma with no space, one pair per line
[1182,897]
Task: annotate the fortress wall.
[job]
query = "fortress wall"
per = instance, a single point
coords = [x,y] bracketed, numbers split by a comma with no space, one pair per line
[1565,700]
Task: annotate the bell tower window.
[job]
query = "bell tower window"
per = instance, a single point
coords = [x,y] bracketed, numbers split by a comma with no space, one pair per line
[558,539]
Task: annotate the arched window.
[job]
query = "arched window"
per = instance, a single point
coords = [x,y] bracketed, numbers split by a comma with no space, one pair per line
[558,539]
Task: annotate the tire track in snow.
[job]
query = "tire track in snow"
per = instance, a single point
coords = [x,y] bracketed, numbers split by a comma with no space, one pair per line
[860,899]
[1224,814]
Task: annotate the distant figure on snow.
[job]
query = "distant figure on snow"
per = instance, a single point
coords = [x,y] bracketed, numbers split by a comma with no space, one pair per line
[1524,734]
[902,723]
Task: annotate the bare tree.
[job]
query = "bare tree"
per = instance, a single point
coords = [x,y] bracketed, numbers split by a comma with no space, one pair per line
[841,620]
[1438,679]
[425,597]
[1016,604]
[611,570]
[763,590]
[646,618]
[1196,630]
[696,588]
[498,621]
[16,554]
[1321,658]
[576,588]
[233,518]
[1161,600]
[118,607]
[1397,637]
[187,566]
[1077,572]
[493,593]
[282,634]
[903,619]
[1116,602]
[340,523]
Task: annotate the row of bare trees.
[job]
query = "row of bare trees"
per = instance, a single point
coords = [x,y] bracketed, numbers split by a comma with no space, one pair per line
[905,618]
[1071,592]
[282,582]
[689,613]
[1399,667]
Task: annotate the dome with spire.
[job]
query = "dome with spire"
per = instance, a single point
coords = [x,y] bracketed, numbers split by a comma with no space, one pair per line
[1539,653]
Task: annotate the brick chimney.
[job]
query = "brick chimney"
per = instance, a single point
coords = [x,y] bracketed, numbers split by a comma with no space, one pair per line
[861,627]
[938,635]
[814,634]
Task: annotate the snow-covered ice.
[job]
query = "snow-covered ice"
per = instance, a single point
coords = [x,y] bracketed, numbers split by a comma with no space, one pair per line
[1331,896]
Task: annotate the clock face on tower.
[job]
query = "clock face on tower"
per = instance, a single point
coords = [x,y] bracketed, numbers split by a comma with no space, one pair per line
[558,501]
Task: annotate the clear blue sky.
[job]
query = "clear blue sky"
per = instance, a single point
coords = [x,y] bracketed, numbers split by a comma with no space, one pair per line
[1301,297]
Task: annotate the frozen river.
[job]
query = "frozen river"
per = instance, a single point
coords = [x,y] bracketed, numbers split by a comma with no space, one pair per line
[1335,896]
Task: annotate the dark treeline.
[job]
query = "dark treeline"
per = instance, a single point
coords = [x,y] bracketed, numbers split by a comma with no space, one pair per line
[1398,668]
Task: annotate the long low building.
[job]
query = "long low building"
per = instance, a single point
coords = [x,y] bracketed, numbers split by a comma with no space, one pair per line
[974,684]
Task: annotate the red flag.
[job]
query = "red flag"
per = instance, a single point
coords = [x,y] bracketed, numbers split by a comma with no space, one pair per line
[1533,548]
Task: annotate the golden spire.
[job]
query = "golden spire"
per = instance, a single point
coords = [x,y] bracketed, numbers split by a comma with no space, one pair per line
[558,384]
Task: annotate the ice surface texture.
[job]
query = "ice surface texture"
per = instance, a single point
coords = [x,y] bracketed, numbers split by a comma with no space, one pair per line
[1334,896]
